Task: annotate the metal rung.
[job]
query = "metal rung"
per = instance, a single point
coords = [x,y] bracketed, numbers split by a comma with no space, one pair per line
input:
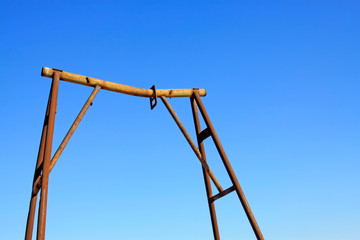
[221,194]
[204,134]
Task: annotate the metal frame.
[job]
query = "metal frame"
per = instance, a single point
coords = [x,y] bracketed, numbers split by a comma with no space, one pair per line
[45,163]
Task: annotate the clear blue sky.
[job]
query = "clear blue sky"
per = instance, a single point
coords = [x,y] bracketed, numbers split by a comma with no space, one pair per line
[283,83]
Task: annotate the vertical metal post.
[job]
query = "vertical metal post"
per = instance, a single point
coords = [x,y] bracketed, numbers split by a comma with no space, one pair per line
[32,208]
[47,156]
[229,169]
[206,176]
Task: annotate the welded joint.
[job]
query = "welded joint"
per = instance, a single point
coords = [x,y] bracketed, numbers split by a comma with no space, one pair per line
[195,89]
[60,73]
[193,93]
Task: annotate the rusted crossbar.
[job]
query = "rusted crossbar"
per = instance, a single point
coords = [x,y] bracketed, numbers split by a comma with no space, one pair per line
[221,194]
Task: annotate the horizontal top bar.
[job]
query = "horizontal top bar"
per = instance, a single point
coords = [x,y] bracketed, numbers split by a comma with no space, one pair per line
[120,88]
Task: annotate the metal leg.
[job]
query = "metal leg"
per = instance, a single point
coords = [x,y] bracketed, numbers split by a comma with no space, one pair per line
[47,156]
[206,176]
[32,208]
[38,174]
[229,169]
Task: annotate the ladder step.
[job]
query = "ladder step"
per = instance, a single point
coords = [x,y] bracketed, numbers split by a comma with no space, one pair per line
[221,194]
[204,134]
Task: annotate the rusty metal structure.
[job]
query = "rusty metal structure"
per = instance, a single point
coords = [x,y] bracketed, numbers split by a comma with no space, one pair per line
[45,163]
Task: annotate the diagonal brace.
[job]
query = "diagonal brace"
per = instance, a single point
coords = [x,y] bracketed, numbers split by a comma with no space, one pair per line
[67,137]
[192,144]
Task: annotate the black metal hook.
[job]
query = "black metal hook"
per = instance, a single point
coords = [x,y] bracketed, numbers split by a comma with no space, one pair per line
[153,98]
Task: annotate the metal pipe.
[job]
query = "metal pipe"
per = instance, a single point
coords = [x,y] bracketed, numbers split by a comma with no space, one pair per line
[192,144]
[222,194]
[37,174]
[211,204]
[65,141]
[120,88]
[229,169]
[47,156]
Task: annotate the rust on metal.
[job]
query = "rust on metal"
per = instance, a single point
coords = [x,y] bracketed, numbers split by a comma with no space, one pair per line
[211,204]
[31,214]
[47,156]
[229,169]
[73,127]
[67,137]
[221,194]
[192,144]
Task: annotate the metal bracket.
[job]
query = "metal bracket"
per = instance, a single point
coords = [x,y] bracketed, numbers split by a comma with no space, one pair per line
[153,99]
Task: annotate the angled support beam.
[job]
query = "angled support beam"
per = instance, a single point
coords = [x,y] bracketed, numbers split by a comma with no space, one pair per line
[192,144]
[37,183]
[65,141]
[73,127]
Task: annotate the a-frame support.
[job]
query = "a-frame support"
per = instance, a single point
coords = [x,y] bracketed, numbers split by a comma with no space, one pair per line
[201,136]
[45,163]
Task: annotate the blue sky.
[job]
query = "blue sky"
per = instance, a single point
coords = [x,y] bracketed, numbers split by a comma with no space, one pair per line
[283,93]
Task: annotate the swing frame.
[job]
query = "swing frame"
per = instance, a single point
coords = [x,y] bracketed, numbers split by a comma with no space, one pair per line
[45,163]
